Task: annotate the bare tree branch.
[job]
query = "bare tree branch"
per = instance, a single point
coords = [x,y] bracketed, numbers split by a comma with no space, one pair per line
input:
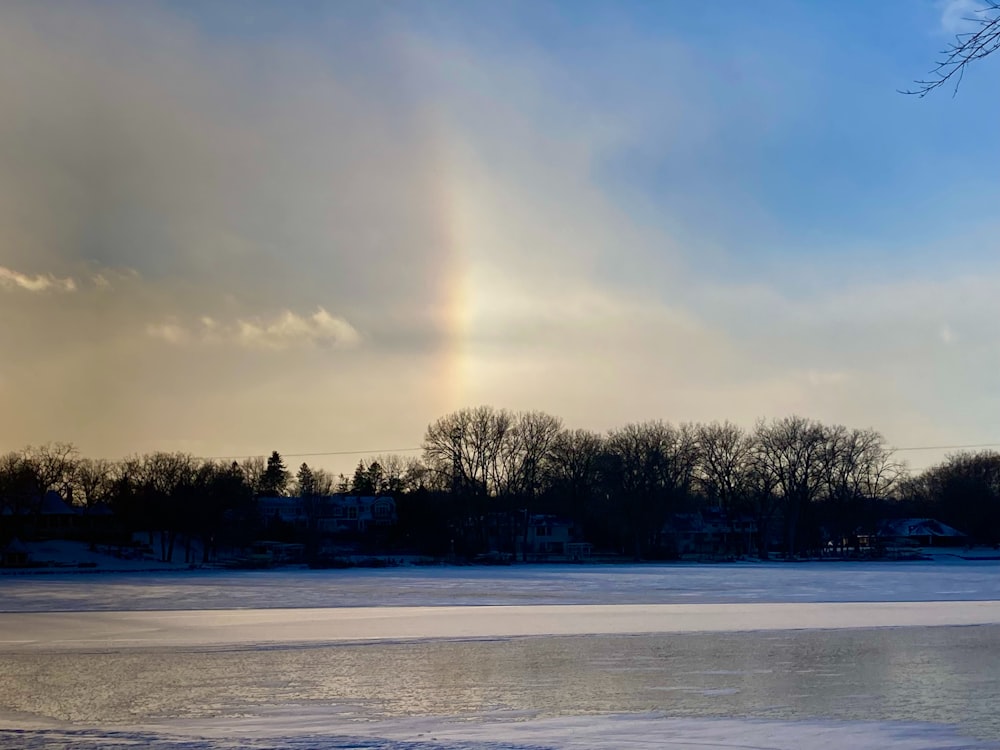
[967,47]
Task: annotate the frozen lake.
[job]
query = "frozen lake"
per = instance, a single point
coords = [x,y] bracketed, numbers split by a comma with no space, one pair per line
[514,585]
[768,656]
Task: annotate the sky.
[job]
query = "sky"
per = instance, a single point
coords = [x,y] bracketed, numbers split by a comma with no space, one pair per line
[233,227]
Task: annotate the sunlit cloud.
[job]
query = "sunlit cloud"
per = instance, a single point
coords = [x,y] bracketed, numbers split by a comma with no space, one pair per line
[286,330]
[172,333]
[291,330]
[11,279]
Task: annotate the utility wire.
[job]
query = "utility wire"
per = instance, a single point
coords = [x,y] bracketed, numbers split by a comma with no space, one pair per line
[317,453]
[313,454]
[945,447]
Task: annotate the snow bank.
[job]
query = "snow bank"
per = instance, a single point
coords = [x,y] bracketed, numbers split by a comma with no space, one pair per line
[256,627]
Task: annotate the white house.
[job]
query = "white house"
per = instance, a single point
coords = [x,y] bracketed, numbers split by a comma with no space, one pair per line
[551,538]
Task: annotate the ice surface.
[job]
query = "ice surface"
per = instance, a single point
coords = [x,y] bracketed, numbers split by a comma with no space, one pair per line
[514,585]
[60,614]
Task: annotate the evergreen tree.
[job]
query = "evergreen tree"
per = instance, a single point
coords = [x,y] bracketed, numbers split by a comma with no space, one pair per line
[361,483]
[306,481]
[274,482]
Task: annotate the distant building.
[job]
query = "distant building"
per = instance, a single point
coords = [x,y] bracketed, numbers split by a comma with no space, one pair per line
[710,533]
[919,532]
[56,517]
[14,555]
[347,513]
[552,538]
[290,510]
[332,514]
[47,517]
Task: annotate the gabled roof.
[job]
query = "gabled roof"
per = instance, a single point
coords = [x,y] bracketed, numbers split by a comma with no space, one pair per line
[917,527]
[54,505]
[16,546]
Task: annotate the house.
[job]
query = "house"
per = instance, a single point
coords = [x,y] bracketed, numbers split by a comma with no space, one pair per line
[56,518]
[332,514]
[14,555]
[919,532]
[710,532]
[548,537]
[355,513]
[48,517]
[290,510]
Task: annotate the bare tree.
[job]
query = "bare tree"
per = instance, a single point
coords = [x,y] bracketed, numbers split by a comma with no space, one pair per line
[529,447]
[161,480]
[575,466]
[253,468]
[93,482]
[724,459]
[395,470]
[470,453]
[792,452]
[763,496]
[27,475]
[322,482]
[527,452]
[859,472]
[983,40]
[54,465]
[467,447]
[724,452]
[18,492]
[654,464]
[964,490]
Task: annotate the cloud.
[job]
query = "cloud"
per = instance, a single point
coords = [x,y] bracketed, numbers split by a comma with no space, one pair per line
[11,279]
[172,333]
[287,330]
[960,16]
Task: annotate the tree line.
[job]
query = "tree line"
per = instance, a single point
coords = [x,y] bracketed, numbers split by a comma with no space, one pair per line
[803,484]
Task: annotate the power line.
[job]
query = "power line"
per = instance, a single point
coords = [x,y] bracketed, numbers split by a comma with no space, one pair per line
[945,447]
[317,453]
[312,454]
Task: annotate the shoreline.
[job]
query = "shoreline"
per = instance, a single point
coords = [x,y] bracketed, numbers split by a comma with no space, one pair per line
[66,557]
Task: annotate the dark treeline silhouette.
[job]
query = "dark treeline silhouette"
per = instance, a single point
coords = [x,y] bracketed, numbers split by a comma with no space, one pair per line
[485,473]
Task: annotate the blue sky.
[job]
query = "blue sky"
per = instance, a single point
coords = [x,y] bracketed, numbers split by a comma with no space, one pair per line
[235,227]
